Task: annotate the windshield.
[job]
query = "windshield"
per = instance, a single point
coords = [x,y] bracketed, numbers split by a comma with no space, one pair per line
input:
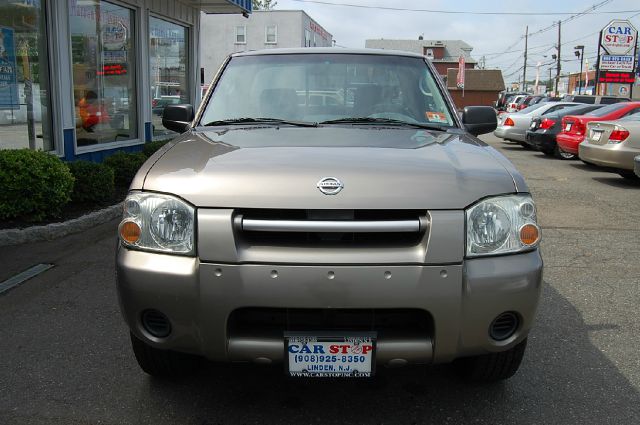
[605,110]
[327,87]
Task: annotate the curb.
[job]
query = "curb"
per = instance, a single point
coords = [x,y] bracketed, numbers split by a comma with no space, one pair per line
[58,230]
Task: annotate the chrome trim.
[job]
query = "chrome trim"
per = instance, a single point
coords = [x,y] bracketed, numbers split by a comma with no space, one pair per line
[385,226]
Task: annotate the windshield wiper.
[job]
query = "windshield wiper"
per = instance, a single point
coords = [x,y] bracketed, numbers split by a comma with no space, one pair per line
[249,120]
[388,121]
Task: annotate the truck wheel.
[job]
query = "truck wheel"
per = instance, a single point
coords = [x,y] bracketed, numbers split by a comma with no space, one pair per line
[163,363]
[493,366]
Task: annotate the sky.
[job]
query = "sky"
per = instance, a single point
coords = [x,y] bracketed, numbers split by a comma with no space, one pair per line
[489,35]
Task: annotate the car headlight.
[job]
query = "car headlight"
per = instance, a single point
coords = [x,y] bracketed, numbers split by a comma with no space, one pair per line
[502,225]
[157,222]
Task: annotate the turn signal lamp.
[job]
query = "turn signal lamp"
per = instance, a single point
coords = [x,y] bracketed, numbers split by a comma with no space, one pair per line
[529,234]
[619,134]
[130,231]
[509,122]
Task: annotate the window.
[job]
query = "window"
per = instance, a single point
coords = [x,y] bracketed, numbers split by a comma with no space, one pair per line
[104,83]
[241,34]
[25,120]
[169,64]
[271,34]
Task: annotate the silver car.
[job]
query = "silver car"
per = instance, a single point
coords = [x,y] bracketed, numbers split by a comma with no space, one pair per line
[513,127]
[329,237]
[613,144]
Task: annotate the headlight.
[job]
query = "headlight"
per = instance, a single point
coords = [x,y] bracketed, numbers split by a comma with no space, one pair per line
[502,225]
[157,222]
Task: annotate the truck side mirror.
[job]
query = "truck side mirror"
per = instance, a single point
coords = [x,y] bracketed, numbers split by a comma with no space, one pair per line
[177,117]
[479,119]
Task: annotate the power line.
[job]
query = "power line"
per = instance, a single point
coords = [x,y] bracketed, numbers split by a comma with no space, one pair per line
[555,24]
[461,12]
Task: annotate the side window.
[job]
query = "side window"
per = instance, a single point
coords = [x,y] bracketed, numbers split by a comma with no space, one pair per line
[608,100]
[554,108]
[632,112]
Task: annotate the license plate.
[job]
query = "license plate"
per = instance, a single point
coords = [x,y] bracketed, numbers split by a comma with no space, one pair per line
[568,126]
[596,135]
[327,356]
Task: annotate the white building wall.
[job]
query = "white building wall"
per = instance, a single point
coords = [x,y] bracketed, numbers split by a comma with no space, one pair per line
[218,35]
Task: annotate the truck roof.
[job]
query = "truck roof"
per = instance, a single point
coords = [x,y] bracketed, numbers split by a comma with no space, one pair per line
[326,50]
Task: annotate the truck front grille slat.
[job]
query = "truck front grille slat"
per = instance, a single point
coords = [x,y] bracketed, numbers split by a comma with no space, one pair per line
[331,226]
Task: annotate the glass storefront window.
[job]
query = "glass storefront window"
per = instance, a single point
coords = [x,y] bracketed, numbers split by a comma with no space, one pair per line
[168,63]
[25,120]
[103,56]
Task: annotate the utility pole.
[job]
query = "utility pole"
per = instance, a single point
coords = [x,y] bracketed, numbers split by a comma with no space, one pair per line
[524,70]
[558,66]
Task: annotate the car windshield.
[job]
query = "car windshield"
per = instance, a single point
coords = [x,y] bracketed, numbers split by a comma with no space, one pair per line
[310,88]
[605,110]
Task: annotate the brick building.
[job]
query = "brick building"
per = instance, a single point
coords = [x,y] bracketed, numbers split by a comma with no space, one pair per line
[443,54]
[481,86]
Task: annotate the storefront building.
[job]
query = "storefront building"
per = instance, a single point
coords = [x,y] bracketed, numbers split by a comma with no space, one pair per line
[85,78]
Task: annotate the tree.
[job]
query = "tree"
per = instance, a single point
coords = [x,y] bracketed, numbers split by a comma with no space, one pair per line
[263,4]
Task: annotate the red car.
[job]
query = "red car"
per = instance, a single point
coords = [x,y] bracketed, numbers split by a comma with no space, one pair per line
[574,127]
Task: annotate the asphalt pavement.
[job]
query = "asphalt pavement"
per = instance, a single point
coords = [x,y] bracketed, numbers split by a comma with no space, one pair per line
[65,356]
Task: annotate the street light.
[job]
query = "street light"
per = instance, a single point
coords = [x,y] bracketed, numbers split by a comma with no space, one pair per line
[580,55]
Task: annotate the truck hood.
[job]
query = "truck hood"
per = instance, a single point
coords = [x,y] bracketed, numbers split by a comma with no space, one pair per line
[380,168]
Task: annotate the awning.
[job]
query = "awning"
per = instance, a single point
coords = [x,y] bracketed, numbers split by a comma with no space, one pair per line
[222,6]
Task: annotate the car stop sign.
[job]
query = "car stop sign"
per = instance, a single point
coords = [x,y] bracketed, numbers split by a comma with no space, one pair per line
[619,37]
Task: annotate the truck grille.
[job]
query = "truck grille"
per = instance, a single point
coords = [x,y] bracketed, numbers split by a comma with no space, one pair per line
[326,228]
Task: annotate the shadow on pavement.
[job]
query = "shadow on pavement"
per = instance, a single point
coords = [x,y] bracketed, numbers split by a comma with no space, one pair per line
[619,181]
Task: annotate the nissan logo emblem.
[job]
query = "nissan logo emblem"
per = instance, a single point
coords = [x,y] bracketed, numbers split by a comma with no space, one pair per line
[330,185]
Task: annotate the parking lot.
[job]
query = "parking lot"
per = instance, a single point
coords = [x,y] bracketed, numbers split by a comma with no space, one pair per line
[65,356]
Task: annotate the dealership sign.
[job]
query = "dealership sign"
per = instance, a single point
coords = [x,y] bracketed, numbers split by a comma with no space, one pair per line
[619,38]
[616,77]
[617,63]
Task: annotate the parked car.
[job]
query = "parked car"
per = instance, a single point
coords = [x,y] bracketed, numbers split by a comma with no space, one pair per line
[514,103]
[585,98]
[158,104]
[513,127]
[550,99]
[543,130]
[504,97]
[636,167]
[529,101]
[574,126]
[329,239]
[613,144]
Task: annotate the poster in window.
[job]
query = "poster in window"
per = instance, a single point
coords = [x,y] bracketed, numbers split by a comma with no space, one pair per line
[8,85]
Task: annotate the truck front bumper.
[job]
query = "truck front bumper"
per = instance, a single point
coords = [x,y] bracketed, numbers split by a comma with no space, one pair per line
[199,298]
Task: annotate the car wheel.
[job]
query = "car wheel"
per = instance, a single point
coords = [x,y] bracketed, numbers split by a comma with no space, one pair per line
[492,367]
[629,175]
[163,363]
[560,154]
